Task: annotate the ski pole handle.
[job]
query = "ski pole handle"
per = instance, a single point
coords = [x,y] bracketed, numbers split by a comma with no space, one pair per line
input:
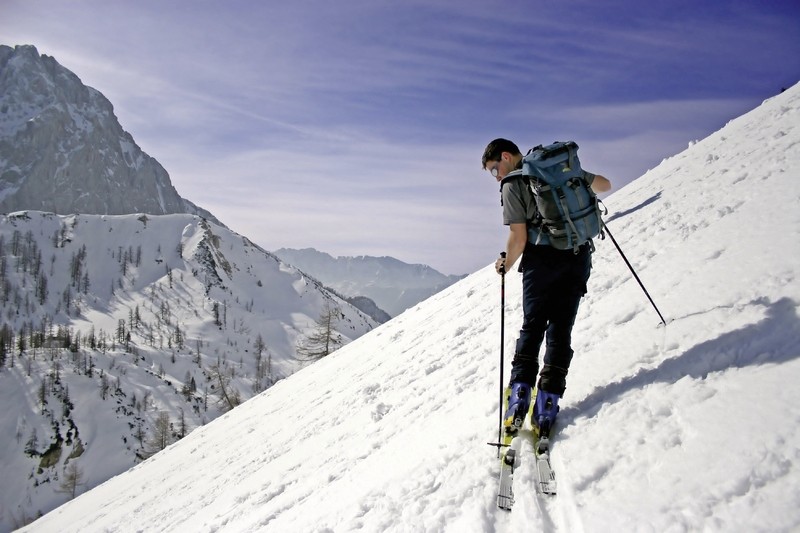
[503,268]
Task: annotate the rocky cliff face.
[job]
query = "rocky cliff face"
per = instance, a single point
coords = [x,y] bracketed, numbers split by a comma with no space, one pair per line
[63,150]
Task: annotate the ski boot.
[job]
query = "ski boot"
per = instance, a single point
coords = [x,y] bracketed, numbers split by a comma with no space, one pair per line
[519,401]
[545,410]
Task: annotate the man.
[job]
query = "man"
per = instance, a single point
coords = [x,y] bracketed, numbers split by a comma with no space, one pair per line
[553,282]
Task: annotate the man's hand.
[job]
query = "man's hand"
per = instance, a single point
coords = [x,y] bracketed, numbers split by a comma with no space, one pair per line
[500,265]
[517,238]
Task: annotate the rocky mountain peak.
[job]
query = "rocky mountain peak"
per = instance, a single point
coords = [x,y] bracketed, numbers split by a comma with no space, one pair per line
[63,150]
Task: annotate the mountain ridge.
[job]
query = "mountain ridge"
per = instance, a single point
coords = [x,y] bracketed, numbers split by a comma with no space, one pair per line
[391,283]
[62,149]
[110,324]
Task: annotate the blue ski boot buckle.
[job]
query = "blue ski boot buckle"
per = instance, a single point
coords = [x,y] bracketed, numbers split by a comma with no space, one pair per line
[519,401]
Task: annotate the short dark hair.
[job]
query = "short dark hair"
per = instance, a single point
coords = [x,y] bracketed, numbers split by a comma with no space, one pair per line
[496,148]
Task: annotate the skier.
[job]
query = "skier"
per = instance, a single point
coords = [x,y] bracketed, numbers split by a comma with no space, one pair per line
[553,282]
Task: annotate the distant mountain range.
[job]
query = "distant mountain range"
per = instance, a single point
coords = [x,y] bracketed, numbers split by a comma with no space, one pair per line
[392,284]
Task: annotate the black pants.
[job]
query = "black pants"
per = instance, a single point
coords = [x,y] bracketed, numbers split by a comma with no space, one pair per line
[553,282]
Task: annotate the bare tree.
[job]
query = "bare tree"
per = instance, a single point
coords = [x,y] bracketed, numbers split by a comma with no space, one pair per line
[323,339]
[263,368]
[161,436]
[183,425]
[73,478]
[229,397]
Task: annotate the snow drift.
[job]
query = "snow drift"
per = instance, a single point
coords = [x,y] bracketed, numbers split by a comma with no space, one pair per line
[695,426]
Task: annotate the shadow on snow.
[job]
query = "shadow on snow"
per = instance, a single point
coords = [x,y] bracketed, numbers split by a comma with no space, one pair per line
[775,339]
[627,212]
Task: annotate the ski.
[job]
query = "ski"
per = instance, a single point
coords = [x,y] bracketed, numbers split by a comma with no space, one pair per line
[511,458]
[509,449]
[542,432]
[509,462]
[544,470]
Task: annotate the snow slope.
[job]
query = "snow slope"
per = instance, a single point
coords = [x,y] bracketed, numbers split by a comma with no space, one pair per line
[695,426]
[189,295]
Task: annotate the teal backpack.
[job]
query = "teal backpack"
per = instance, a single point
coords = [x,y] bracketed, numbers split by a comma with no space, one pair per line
[568,211]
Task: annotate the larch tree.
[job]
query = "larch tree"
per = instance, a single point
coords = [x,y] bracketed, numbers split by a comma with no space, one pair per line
[323,339]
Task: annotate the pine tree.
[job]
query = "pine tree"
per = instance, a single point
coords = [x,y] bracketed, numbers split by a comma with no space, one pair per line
[121,330]
[32,444]
[42,395]
[186,390]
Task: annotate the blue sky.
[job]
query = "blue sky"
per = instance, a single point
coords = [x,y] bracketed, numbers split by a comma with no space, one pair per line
[356,127]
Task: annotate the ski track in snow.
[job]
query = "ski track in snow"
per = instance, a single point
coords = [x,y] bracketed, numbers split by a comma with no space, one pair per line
[690,427]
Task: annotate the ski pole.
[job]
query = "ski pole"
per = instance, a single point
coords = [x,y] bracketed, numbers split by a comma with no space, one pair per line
[502,343]
[634,274]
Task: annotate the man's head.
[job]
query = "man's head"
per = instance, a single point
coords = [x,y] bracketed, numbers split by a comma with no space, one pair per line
[501,157]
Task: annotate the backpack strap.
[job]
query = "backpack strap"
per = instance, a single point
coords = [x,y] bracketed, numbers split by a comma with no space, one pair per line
[514,174]
[562,199]
[572,151]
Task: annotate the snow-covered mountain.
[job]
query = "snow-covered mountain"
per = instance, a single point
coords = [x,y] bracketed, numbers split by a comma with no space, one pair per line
[690,427]
[392,284]
[120,334]
[63,150]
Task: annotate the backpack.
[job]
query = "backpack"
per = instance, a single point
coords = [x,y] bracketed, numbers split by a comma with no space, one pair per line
[568,211]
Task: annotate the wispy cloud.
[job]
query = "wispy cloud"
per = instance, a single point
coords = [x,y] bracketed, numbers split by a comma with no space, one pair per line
[357,127]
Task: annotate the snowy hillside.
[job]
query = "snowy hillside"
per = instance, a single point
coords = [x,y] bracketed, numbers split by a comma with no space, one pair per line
[691,427]
[121,334]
